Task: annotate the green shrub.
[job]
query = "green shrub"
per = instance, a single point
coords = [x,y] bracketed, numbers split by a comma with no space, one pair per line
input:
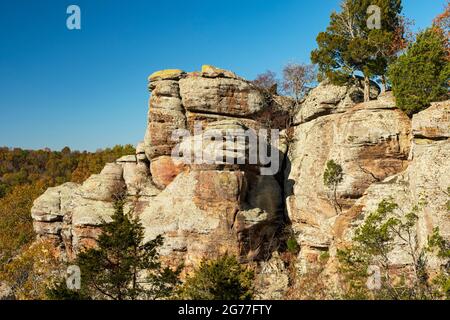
[421,76]
[292,245]
[383,230]
[220,279]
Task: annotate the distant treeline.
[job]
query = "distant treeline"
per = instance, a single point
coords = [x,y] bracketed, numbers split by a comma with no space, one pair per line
[19,167]
[26,174]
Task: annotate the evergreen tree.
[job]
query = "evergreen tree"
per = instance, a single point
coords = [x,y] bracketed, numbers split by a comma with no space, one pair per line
[121,267]
[60,291]
[422,75]
[220,279]
[349,45]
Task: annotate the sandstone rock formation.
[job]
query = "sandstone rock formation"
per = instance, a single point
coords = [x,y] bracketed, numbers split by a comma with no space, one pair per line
[200,208]
[370,141]
[384,155]
[424,181]
[71,214]
[206,208]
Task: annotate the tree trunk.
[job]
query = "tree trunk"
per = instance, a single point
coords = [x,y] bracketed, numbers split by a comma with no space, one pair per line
[337,205]
[383,84]
[366,88]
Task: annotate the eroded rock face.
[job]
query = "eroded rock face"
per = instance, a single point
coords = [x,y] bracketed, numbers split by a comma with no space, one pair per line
[369,140]
[384,155]
[165,115]
[71,214]
[205,209]
[193,221]
[425,180]
[433,123]
[206,212]
[327,98]
[201,209]
[223,96]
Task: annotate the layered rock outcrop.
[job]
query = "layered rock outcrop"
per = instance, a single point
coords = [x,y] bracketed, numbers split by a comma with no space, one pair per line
[425,181]
[201,207]
[371,141]
[193,180]
[71,214]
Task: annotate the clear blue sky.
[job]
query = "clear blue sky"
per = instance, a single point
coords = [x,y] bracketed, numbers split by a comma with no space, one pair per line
[87,89]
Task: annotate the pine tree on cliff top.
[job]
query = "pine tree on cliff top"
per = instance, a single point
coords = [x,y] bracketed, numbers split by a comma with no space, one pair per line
[349,45]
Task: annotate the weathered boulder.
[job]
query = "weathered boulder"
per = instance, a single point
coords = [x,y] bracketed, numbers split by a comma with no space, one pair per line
[71,214]
[204,213]
[165,115]
[224,96]
[434,122]
[54,203]
[327,98]
[189,221]
[101,187]
[213,72]
[136,175]
[167,74]
[164,170]
[221,144]
[140,152]
[182,101]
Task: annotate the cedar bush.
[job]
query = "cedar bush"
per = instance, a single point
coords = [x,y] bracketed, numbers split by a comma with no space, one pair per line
[220,279]
[422,74]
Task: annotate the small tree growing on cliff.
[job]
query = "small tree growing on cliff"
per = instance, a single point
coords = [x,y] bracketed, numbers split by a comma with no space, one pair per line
[220,279]
[122,267]
[267,81]
[296,79]
[383,230]
[332,176]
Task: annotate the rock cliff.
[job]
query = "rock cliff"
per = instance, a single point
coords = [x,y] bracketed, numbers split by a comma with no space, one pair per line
[201,208]
[206,208]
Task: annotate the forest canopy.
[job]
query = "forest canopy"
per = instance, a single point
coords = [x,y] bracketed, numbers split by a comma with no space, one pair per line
[26,174]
